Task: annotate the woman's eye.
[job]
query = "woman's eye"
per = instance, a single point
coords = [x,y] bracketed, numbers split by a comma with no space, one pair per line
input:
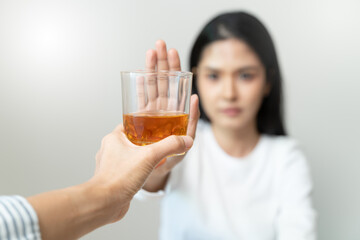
[212,76]
[246,76]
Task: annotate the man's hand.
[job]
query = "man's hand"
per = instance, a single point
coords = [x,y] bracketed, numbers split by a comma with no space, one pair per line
[124,167]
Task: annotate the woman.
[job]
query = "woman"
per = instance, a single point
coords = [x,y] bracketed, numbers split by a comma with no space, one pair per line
[243,178]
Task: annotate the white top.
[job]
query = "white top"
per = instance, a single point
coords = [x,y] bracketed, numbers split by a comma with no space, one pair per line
[211,195]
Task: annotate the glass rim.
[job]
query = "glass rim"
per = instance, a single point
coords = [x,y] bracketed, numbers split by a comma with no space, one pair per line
[155,72]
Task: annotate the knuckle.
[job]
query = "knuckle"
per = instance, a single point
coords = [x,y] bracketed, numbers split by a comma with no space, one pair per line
[108,138]
[103,140]
[151,81]
[151,151]
[177,140]
[163,94]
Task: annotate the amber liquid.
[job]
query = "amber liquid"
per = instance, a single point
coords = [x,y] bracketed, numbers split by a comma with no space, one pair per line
[146,128]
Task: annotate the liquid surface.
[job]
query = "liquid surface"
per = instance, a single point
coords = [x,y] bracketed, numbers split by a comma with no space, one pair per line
[146,128]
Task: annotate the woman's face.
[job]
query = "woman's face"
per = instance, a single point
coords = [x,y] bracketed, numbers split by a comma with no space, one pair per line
[231,84]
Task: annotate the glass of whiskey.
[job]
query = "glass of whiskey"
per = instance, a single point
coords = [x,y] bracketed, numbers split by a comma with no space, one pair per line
[155,104]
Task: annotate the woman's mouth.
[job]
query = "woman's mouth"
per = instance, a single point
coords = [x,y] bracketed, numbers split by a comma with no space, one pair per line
[231,112]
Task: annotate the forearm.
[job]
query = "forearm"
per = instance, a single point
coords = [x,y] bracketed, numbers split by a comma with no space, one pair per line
[72,212]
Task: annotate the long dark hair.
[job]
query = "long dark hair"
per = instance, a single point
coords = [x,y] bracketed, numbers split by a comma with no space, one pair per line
[243,26]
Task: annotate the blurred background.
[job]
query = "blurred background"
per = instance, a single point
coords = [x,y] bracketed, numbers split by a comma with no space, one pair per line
[60,64]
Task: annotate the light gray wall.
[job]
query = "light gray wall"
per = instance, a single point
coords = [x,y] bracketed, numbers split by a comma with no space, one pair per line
[60,91]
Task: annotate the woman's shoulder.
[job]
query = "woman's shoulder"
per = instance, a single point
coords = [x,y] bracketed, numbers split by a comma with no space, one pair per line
[281,142]
[287,157]
[284,147]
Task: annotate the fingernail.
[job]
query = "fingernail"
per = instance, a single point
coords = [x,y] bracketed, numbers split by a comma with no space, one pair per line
[188,142]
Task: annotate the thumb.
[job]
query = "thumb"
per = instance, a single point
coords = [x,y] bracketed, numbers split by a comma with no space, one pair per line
[167,147]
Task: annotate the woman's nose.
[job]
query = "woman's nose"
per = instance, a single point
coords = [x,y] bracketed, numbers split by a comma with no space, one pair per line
[228,89]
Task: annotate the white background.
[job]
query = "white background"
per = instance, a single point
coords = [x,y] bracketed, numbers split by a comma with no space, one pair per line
[60,91]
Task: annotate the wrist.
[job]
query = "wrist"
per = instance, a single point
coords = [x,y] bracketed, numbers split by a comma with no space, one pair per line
[112,199]
[99,201]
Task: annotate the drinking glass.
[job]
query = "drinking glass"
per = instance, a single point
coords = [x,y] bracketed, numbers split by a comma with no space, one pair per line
[155,104]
